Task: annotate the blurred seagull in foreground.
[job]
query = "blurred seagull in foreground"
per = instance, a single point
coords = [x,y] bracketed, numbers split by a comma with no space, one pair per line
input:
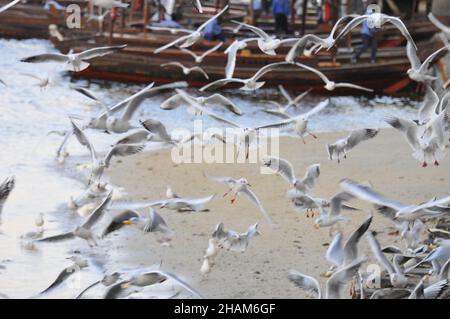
[9,5]
[5,190]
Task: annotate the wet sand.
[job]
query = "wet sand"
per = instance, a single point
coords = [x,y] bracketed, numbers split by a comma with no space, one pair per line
[261,272]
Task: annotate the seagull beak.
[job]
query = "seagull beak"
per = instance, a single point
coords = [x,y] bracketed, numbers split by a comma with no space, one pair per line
[432,246]
[316,226]
[127,222]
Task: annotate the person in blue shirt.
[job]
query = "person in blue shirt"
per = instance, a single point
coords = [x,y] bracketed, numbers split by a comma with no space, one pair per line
[280,11]
[213,31]
[369,38]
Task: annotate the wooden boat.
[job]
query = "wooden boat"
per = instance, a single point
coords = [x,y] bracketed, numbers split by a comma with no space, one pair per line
[138,63]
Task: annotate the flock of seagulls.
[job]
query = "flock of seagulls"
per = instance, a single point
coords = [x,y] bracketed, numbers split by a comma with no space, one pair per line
[421,270]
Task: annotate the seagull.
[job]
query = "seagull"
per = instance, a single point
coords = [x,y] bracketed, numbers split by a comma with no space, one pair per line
[180,204]
[343,146]
[319,43]
[331,85]
[99,122]
[99,18]
[285,169]
[151,223]
[172,30]
[332,215]
[304,201]
[231,53]
[266,43]
[418,70]
[42,82]
[9,5]
[199,58]
[142,277]
[186,70]
[5,189]
[342,255]
[396,275]
[249,84]
[232,240]
[75,61]
[214,99]
[84,230]
[99,164]
[78,264]
[282,110]
[401,211]
[335,284]
[300,121]
[158,130]
[191,38]
[425,150]
[438,24]
[377,20]
[241,186]
[291,101]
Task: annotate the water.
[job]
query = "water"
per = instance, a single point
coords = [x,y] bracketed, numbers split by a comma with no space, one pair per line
[28,113]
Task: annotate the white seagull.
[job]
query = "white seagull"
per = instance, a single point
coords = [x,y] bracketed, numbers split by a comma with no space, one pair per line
[331,85]
[199,58]
[186,70]
[75,61]
[343,146]
[418,70]
[189,39]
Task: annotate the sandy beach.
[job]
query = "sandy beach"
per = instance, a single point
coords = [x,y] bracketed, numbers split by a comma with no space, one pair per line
[261,272]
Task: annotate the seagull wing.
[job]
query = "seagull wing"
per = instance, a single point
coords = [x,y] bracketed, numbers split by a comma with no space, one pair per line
[86,93]
[351,25]
[98,52]
[338,281]
[222,100]
[429,59]
[9,5]
[352,86]
[255,200]
[157,128]
[336,202]
[367,194]
[134,138]
[98,213]
[358,136]
[319,107]
[335,253]
[376,250]
[268,68]
[5,189]
[412,56]
[438,23]
[83,140]
[305,282]
[213,49]
[218,83]
[47,57]
[429,105]
[156,223]
[401,26]
[311,175]
[174,42]
[200,70]
[311,69]
[255,30]
[201,27]
[351,245]
[63,275]
[55,238]
[172,102]
[179,281]
[282,167]
[123,150]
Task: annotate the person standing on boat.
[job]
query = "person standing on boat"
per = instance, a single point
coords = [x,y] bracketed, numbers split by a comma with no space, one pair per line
[280,11]
[213,31]
[369,37]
